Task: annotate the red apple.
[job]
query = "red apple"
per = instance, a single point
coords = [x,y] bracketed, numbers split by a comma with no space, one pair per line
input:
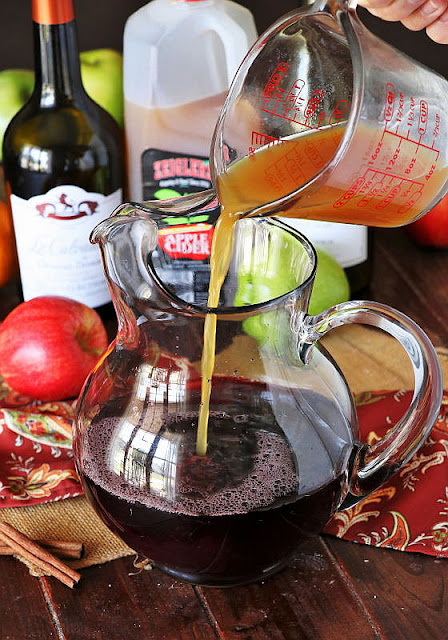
[48,346]
[432,229]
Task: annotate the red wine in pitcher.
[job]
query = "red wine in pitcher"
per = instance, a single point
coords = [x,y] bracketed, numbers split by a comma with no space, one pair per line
[238,513]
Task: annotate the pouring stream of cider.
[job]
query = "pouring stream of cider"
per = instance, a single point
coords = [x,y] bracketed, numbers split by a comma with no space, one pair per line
[251,173]
[247,182]
[221,253]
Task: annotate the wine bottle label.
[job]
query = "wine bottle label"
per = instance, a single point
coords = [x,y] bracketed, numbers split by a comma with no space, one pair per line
[347,243]
[52,235]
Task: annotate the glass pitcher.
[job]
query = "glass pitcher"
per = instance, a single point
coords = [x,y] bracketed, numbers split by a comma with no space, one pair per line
[282,449]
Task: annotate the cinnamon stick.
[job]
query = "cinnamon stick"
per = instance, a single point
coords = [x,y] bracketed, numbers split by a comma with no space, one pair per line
[43,559]
[60,548]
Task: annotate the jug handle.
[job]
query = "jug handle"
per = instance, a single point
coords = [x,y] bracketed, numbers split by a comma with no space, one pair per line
[375,463]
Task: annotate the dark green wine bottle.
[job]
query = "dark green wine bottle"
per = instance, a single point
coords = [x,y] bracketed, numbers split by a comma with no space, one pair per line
[63,164]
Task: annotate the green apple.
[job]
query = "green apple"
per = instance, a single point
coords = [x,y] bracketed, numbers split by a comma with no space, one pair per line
[16,86]
[275,277]
[331,285]
[102,76]
[265,274]
[267,327]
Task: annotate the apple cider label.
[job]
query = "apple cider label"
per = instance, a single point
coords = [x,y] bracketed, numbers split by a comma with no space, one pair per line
[166,174]
[52,235]
[187,241]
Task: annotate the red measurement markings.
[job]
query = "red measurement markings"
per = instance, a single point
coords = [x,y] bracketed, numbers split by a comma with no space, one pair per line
[394,106]
[412,150]
[395,156]
[380,186]
[431,170]
[287,105]
[314,103]
[411,112]
[417,115]
[411,165]
[375,189]
[293,167]
[375,184]
[313,155]
[405,152]
[437,123]
[258,140]
[350,193]
[294,102]
[275,79]
[273,94]
[413,198]
[390,102]
[394,191]
[375,155]
[400,108]
[417,144]
[287,101]
[423,120]
[339,112]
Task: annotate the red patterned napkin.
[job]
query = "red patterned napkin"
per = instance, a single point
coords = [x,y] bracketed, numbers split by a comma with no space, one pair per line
[36,460]
[409,512]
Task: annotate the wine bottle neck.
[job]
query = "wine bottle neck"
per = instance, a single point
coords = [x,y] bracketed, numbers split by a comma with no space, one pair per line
[57,65]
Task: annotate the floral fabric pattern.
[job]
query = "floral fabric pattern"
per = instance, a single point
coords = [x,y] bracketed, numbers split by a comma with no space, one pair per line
[36,460]
[408,513]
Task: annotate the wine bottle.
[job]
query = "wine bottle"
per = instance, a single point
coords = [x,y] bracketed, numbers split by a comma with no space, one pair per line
[63,164]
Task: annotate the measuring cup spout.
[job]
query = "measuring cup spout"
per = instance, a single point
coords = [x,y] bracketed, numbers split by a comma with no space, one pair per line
[181,206]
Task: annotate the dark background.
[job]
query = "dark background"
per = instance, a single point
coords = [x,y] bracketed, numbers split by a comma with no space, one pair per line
[101,23]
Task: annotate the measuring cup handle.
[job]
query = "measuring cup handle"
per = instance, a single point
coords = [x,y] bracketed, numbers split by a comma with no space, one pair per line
[332,6]
[377,462]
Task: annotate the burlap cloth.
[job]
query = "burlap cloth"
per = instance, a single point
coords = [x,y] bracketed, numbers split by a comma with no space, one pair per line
[370,360]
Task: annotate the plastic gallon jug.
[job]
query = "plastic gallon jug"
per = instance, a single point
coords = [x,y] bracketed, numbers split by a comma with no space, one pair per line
[179,59]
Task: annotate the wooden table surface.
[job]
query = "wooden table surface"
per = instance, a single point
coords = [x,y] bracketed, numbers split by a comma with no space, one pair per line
[334,590]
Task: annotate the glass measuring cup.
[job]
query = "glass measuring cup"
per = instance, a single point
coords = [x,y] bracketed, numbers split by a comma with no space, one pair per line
[325,121]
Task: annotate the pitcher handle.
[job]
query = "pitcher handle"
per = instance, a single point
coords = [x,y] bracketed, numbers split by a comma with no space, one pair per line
[375,463]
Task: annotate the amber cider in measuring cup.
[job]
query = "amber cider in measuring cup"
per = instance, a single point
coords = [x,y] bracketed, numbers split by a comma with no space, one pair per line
[275,170]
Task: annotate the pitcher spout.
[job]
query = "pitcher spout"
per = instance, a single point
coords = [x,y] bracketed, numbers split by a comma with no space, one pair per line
[124,240]
[131,234]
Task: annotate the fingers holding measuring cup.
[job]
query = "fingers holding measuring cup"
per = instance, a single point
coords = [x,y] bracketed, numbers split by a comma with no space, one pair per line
[431,15]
